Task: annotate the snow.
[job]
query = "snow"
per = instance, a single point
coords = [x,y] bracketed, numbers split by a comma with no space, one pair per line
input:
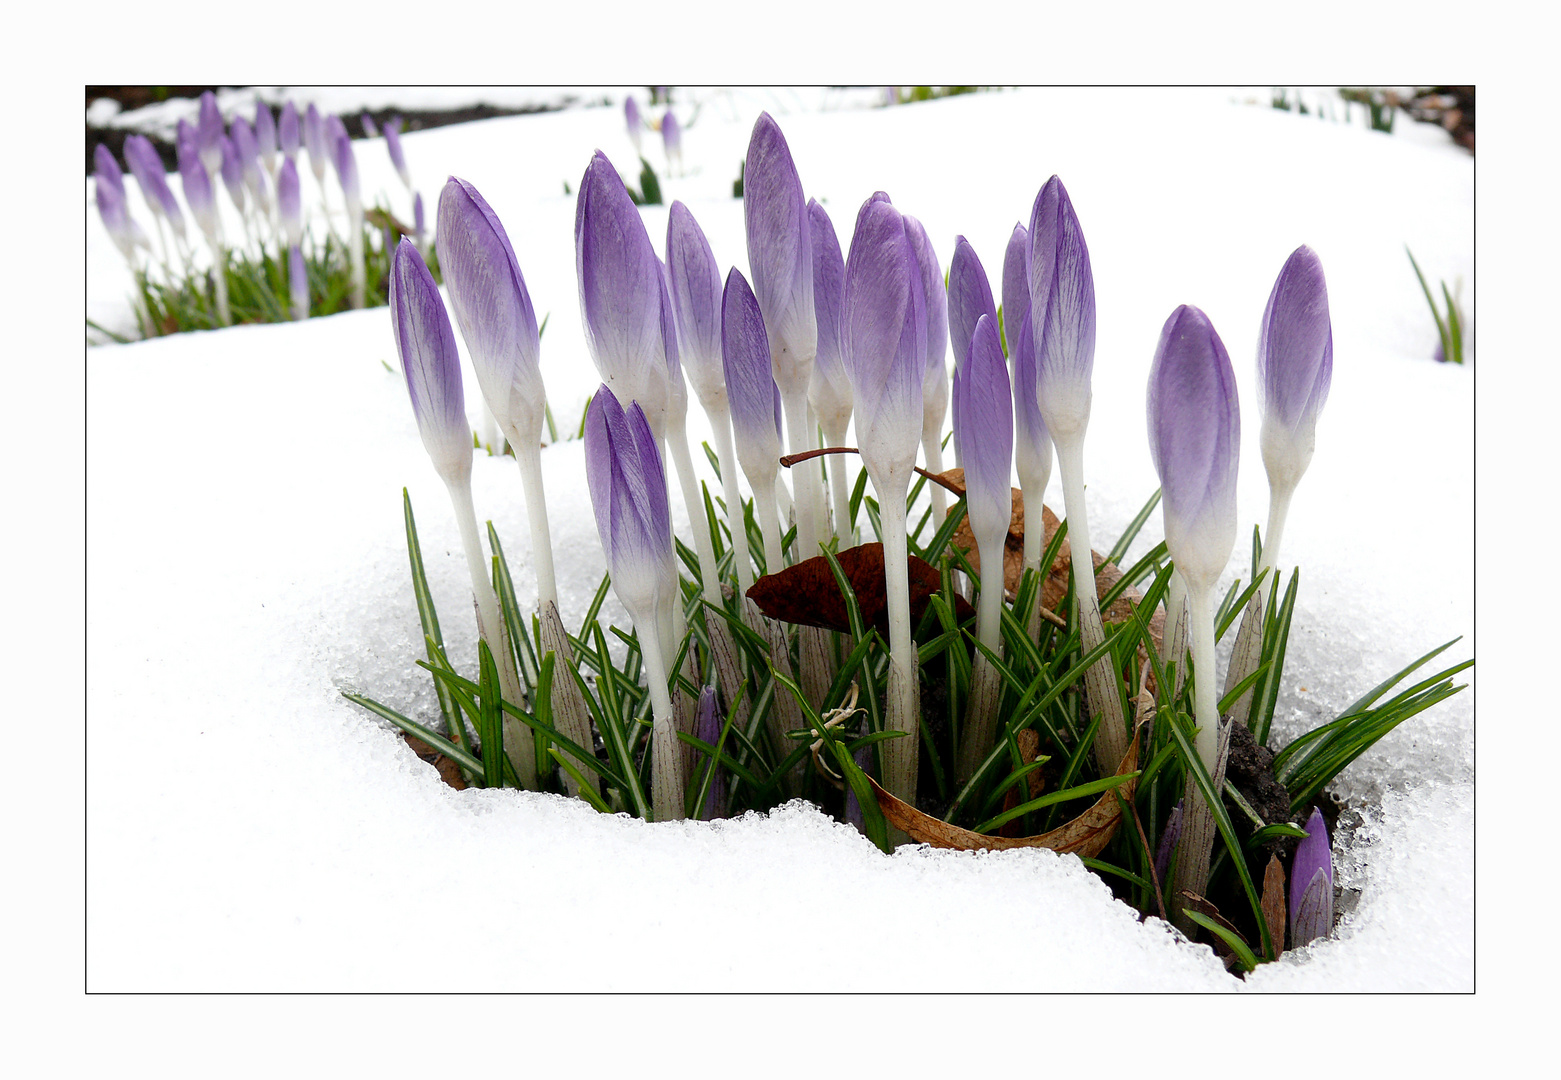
[251,830]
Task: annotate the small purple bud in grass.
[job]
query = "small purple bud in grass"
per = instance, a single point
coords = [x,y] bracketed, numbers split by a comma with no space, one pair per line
[369,129]
[208,133]
[346,167]
[1294,366]
[418,224]
[149,174]
[970,297]
[750,384]
[397,157]
[198,196]
[629,494]
[829,387]
[617,272]
[1062,306]
[287,132]
[780,254]
[265,135]
[492,308]
[115,212]
[707,728]
[429,361]
[314,142]
[883,336]
[232,173]
[984,433]
[1168,839]
[631,118]
[694,278]
[289,202]
[297,275]
[1016,286]
[1311,885]
[1195,439]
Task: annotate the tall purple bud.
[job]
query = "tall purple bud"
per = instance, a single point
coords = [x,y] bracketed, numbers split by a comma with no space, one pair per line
[1294,366]
[969,298]
[1311,885]
[1016,286]
[148,170]
[198,196]
[248,148]
[233,174]
[636,126]
[370,129]
[112,207]
[314,142]
[265,136]
[620,290]
[829,387]
[208,133]
[694,277]
[289,202]
[672,139]
[397,156]
[287,131]
[751,390]
[425,342]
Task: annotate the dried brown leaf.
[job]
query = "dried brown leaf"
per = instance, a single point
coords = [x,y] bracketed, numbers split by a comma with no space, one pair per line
[806,594]
[1273,904]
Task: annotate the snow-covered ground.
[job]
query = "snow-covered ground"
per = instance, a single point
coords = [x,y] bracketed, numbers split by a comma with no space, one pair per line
[251,830]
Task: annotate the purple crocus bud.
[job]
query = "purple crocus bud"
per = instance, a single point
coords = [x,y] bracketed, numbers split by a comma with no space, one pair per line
[397,157]
[937,316]
[864,761]
[1195,439]
[1168,839]
[493,310]
[265,136]
[149,174]
[780,255]
[671,135]
[1294,366]
[707,727]
[289,202]
[631,118]
[1062,307]
[232,173]
[334,130]
[198,196]
[314,142]
[287,133]
[185,142]
[969,298]
[429,361]
[248,148]
[114,210]
[417,217]
[208,133]
[346,167]
[671,366]
[370,131]
[694,278]
[629,494]
[750,386]
[107,170]
[1311,885]
[1016,285]
[883,336]
[1032,442]
[297,275]
[984,434]
[617,271]
[829,388]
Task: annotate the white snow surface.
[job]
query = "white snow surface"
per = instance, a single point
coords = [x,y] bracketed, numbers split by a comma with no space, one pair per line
[249,829]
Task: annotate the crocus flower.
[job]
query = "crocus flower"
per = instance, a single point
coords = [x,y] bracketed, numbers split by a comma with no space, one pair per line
[629,494]
[314,142]
[185,142]
[347,173]
[935,381]
[755,403]
[418,224]
[198,196]
[369,129]
[631,118]
[106,169]
[1016,285]
[297,275]
[287,133]
[248,148]
[984,436]
[969,298]
[208,133]
[148,170]
[1311,885]
[397,158]
[1294,366]
[112,207]
[346,163]
[829,387]
[289,202]
[884,337]
[1032,442]
[620,294]
[695,281]
[425,344]
[233,174]
[707,728]
[672,139]
[265,136]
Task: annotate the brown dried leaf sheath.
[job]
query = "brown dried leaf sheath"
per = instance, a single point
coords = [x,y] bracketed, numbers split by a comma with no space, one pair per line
[806,594]
[1086,835]
[1273,903]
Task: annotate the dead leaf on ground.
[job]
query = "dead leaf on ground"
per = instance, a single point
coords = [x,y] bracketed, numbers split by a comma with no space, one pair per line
[449,771]
[1086,835]
[1273,903]
[806,594]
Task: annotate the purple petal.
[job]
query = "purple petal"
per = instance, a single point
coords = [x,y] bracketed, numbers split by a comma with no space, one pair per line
[287,133]
[148,170]
[937,309]
[1168,838]
[429,361]
[115,212]
[707,727]
[1195,440]
[198,194]
[1032,442]
[492,307]
[631,118]
[1016,285]
[265,132]
[397,157]
[1311,885]
[695,281]
[107,170]
[750,383]
[671,133]
[829,389]
[232,172]
[1295,346]
[780,254]
[984,431]
[883,335]
[289,202]
[208,132]
[969,298]
[1062,302]
[616,268]
[314,140]
[346,165]
[417,216]
[370,130]
[629,495]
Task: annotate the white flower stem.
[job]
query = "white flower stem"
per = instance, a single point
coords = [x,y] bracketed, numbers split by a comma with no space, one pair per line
[518,739]
[742,562]
[1176,630]
[932,448]
[1034,548]
[1197,842]
[677,442]
[355,252]
[1100,680]
[1278,510]
[769,524]
[899,755]
[666,763]
[529,457]
[1247,652]
[1200,605]
[219,277]
[985,684]
[809,500]
[835,435]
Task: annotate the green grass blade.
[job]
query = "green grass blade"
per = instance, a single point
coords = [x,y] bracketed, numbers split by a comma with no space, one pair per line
[461,757]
